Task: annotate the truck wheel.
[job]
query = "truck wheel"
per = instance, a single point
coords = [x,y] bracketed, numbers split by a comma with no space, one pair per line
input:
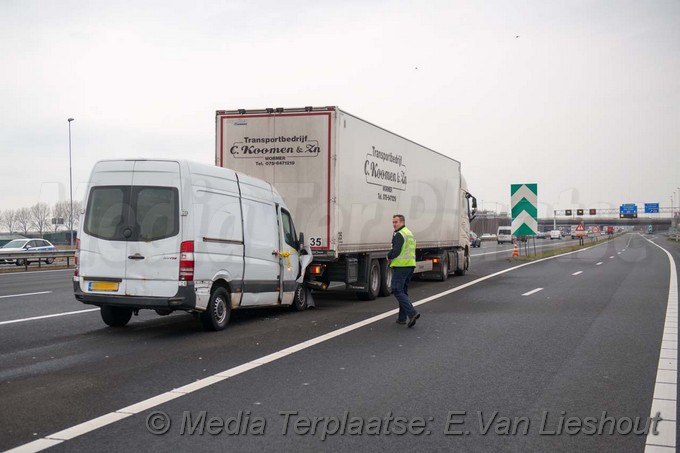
[373,282]
[385,279]
[466,265]
[300,299]
[216,316]
[444,268]
[115,316]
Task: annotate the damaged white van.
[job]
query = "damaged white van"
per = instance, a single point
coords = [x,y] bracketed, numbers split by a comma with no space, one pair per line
[173,235]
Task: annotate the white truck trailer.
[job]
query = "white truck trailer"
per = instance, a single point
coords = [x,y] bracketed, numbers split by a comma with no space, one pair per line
[343,179]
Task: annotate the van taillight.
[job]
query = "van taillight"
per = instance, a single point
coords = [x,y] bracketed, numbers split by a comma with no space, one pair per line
[186,261]
[75,258]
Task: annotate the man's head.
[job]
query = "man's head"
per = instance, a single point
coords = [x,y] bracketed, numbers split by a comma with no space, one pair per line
[398,221]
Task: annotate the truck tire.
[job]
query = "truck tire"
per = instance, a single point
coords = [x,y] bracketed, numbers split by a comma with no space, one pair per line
[444,267]
[115,316]
[299,299]
[385,279]
[466,265]
[216,316]
[373,282]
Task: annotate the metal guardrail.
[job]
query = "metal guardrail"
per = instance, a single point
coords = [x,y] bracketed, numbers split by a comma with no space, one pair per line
[38,256]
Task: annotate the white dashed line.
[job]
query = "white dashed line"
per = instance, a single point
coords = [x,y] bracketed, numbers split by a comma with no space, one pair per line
[533,291]
[48,316]
[577,273]
[25,294]
[597,264]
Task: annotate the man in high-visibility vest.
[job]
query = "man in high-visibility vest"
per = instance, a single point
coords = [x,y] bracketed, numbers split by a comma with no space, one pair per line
[402,259]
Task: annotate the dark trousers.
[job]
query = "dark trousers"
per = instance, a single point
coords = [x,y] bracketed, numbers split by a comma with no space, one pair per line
[401,276]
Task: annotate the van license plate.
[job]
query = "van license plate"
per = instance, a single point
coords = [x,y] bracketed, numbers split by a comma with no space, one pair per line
[103,286]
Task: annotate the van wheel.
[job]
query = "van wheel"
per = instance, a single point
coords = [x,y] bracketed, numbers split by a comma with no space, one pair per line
[115,316]
[49,260]
[20,262]
[300,299]
[385,279]
[216,316]
[373,282]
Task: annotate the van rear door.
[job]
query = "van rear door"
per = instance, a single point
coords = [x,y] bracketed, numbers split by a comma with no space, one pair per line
[103,249]
[152,255]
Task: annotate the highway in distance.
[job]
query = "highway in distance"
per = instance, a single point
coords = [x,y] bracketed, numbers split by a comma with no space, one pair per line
[572,353]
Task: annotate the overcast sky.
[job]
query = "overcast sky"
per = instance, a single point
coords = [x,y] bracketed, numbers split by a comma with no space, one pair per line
[581,97]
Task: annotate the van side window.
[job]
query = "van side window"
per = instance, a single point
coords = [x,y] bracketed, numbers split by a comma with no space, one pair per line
[288,229]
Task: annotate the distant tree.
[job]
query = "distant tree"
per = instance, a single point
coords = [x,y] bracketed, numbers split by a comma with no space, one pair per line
[77,207]
[8,220]
[61,211]
[40,216]
[23,220]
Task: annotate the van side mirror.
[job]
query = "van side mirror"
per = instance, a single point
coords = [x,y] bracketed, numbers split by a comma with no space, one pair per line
[301,241]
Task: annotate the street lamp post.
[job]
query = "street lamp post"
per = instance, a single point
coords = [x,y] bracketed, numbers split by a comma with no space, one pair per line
[70,186]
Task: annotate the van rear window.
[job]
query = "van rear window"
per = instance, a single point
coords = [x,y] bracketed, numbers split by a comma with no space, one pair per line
[132,213]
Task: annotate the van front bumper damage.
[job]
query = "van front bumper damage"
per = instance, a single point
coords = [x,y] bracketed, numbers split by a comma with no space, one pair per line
[184,299]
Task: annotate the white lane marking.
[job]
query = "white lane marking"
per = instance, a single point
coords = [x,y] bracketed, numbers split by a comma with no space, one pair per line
[577,273]
[106,419]
[665,398]
[533,291]
[611,257]
[48,316]
[597,264]
[25,294]
[13,273]
[618,253]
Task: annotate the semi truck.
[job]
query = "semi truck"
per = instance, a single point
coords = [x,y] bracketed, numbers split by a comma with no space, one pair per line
[343,179]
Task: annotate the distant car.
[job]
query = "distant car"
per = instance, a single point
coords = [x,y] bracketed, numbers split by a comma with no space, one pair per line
[541,235]
[474,240]
[33,245]
[488,237]
[555,234]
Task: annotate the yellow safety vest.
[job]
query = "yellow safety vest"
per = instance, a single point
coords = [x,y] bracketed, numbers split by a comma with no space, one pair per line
[407,256]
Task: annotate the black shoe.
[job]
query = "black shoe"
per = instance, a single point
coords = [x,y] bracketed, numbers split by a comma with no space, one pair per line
[412,321]
[399,321]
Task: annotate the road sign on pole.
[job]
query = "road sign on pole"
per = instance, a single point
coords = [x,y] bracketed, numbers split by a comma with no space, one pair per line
[628,211]
[524,202]
[580,230]
[651,208]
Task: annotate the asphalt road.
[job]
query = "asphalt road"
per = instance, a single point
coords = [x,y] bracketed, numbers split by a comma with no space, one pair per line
[586,343]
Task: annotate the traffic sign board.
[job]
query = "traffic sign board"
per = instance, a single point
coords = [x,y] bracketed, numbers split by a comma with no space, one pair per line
[524,202]
[651,208]
[628,211]
[580,230]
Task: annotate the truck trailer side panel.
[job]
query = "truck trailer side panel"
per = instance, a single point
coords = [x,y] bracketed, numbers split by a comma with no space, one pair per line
[343,178]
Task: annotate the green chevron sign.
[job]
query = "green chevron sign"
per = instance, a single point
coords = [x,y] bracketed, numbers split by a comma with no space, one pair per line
[524,202]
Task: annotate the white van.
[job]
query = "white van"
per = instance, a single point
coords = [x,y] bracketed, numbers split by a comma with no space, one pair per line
[504,234]
[174,235]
